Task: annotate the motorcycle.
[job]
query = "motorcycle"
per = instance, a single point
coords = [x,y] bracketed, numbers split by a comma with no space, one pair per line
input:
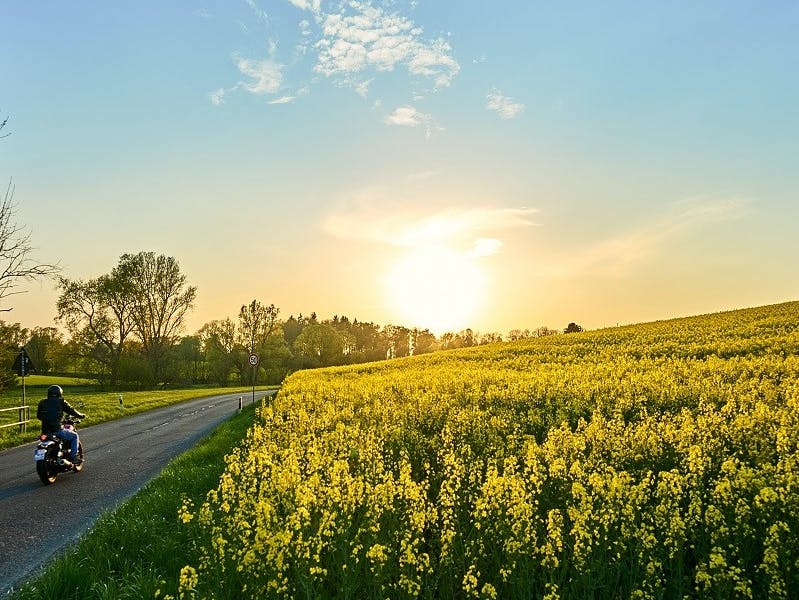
[52,454]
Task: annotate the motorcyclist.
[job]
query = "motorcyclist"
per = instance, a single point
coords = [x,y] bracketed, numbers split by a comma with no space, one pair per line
[50,412]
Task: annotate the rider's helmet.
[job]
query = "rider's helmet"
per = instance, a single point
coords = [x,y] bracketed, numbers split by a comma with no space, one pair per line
[55,391]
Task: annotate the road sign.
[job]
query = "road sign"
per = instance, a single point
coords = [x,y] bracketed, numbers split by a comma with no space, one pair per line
[22,363]
[253,359]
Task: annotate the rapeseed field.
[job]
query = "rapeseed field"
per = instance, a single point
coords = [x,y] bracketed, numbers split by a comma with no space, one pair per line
[650,461]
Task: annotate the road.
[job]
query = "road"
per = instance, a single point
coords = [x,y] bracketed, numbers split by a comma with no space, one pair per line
[121,456]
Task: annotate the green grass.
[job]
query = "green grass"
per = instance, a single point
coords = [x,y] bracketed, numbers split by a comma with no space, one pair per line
[98,406]
[139,549]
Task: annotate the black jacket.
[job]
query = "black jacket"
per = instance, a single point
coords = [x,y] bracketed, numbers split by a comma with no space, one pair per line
[50,412]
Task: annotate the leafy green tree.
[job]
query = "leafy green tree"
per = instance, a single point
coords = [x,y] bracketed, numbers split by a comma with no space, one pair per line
[425,342]
[161,298]
[45,349]
[320,345]
[218,341]
[572,328]
[12,337]
[98,313]
[370,345]
[189,360]
[256,324]
[397,340]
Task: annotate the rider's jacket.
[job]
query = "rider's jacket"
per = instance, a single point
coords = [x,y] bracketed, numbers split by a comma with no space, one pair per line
[51,410]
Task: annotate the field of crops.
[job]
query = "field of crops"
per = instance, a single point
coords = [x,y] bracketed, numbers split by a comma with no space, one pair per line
[649,461]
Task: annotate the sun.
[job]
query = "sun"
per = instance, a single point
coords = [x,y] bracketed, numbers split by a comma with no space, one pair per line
[436,288]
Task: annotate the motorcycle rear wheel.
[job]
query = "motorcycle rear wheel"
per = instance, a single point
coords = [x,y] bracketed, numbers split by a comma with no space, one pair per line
[47,468]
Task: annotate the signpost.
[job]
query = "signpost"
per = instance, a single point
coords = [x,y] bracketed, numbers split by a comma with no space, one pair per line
[23,365]
[254,362]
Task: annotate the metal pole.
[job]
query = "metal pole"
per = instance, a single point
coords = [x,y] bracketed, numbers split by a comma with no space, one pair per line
[23,367]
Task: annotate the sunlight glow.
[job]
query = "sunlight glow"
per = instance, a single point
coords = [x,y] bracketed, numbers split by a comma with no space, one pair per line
[436,288]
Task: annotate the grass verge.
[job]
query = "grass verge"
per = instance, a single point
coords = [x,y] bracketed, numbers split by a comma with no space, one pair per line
[105,406]
[138,550]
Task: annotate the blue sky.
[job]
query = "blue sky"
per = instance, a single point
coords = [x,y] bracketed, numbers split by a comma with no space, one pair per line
[436,164]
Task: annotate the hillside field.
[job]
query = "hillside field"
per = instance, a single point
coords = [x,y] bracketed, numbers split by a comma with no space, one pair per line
[649,461]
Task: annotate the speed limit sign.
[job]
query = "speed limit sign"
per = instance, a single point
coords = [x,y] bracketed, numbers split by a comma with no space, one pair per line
[253,359]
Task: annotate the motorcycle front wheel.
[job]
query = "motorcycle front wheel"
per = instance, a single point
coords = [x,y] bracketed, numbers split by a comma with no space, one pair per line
[79,468]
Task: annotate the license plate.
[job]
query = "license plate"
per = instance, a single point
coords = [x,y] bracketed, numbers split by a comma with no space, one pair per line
[39,454]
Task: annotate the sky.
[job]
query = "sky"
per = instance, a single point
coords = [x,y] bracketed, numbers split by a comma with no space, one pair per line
[429,163]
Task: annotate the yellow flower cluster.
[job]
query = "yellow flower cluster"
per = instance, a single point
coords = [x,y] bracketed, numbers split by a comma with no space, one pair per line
[659,460]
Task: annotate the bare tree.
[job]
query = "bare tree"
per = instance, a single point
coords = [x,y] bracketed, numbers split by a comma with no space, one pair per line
[16,264]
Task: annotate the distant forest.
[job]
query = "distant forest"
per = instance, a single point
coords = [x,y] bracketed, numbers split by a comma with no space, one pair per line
[124,329]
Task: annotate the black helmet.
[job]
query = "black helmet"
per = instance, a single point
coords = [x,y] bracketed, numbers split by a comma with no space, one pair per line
[55,391]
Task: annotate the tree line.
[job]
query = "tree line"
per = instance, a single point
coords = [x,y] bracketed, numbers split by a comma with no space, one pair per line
[125,328]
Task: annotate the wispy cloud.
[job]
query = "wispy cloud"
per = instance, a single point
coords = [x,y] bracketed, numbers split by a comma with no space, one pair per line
[408,116]
[265,75]
[283,100]
[217,97]
[616,255]
[475,230]
[505,107]
[258,11]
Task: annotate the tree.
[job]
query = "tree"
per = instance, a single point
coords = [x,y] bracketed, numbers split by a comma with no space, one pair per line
[189,360]
[573,328]
[425,342]
[12,337]
[44,346]
[320,345]
[396,340]
[100,313]
[218,341]
[16,263]
[160,300]
[256,323]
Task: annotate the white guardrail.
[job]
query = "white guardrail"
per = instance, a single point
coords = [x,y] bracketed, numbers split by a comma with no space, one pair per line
[24,413]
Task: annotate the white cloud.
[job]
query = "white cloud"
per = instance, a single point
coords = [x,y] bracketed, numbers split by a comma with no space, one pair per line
[362,37]
[217,97]
[312,5]
[351,43]
[283,100]
[265,74]
[505,107]
[408,116]
[362,88]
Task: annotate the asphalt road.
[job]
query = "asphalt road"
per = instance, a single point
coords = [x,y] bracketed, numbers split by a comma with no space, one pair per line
[38,521]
